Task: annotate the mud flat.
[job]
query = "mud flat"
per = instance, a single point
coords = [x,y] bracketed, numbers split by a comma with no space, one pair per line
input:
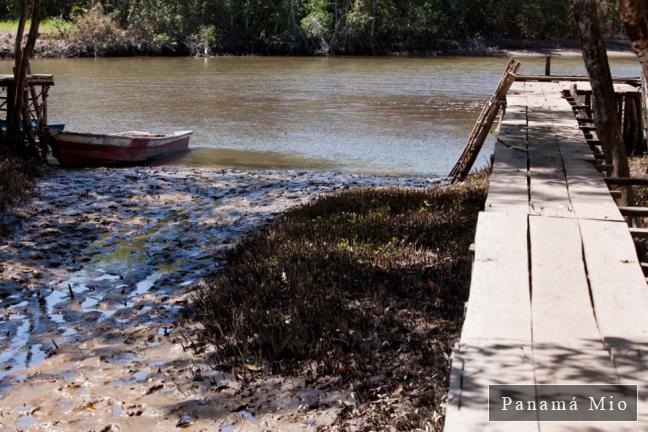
[94,273]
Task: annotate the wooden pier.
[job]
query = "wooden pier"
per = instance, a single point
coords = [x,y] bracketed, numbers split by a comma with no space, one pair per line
[558,295]
[36,92]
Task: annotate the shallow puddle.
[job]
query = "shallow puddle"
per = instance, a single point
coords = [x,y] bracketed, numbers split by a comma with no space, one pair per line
[26,422]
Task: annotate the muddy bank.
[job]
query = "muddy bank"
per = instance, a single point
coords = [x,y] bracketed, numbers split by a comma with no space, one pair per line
[94,273]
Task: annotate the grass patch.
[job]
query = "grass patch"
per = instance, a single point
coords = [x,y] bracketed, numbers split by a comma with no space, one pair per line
[51,27]
[365,289]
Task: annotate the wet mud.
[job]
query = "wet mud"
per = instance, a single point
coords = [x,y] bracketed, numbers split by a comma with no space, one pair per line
[94,273]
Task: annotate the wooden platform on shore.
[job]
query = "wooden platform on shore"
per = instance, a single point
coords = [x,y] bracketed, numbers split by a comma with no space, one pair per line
[558,295]
[35,79]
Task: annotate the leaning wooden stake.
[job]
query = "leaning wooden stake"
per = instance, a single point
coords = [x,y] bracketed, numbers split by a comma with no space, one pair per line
[484,123]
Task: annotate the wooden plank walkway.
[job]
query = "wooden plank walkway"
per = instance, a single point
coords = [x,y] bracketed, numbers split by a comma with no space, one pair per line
[557,294]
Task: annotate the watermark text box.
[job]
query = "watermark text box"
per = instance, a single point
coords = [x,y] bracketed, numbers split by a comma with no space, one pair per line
[560,403]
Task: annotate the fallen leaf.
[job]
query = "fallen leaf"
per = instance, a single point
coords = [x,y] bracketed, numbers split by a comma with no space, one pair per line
[253,367]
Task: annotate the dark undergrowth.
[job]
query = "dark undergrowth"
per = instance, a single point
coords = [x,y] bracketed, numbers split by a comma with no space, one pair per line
[363,289]
[639,169]
[16,182]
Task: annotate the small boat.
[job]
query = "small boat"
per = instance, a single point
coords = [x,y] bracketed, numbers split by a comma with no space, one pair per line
[128,148]
[57,126]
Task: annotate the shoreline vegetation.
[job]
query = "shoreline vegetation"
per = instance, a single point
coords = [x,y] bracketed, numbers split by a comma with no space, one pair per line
[56,48]
[362,292]
[309,27]
[17,183]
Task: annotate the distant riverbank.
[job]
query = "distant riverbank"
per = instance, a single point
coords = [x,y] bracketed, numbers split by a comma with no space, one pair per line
[53,47]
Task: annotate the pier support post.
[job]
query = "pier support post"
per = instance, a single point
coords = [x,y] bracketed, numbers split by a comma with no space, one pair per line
[634,14]
[605,109]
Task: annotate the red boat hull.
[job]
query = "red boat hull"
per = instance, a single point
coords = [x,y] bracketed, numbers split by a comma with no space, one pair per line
[85,150]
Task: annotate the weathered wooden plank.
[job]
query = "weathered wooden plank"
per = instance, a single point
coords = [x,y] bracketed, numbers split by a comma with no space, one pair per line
[634,211]
[508,186]
[632,368]
[588,192]
[567,348]
[513,120]
[548,187]
[500,271]
[510,153]
[639,232]
[510,148]
[34,79]
[621,85]
[570,78]
[514,98]
[516,89]
[576,149]
[473,369]
[548,193]
[617,283]
[535,101]
[561,308]
[508,191]
[626,181]
[586,364]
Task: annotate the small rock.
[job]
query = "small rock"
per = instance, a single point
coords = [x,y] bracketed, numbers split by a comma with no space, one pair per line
[8,287]
[186,420]
[21,278]
[35,255]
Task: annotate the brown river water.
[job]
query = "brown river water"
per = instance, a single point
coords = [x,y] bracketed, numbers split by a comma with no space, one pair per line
[373,115]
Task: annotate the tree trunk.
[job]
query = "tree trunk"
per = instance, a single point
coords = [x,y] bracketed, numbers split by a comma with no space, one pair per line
[644,105]
[14,97]
[598,69]
[339,26]
[19,125]
[634,14]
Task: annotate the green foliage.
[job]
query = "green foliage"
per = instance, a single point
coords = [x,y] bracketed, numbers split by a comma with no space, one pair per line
[56,28]
[317,25]
[97,33]
[544,18]
[210,36]
[328,26]
[168,20]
